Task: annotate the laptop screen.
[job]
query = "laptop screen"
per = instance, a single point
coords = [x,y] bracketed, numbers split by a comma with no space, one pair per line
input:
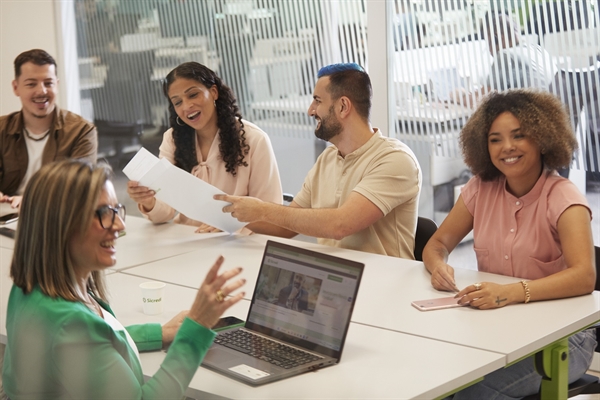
[305,297]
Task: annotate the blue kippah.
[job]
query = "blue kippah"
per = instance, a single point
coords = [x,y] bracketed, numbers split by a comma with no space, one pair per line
[341,67]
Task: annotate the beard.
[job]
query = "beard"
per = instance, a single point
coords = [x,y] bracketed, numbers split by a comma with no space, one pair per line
[44,113]
[329,127]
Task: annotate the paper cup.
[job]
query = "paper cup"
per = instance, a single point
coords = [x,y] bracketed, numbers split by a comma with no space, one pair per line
[152,297]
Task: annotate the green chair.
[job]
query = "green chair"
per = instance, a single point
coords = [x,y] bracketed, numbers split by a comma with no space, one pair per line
[587,384]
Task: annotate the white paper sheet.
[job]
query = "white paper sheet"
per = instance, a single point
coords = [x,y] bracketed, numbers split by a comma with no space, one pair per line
[181,190]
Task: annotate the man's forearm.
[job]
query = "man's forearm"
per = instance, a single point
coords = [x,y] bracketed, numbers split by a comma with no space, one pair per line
[322,223]
[355,214]
[267,228]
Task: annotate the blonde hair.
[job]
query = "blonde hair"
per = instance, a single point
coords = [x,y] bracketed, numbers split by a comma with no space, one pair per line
[58,203]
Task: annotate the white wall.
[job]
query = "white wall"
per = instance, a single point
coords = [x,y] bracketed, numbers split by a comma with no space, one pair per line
[24,25]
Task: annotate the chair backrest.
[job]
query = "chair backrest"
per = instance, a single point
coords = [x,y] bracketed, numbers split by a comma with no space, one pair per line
[425,229]
[288,198]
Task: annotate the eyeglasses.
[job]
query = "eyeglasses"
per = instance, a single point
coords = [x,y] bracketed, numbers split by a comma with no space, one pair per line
[107,218]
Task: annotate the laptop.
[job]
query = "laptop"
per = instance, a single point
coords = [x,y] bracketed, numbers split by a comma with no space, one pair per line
[298,318]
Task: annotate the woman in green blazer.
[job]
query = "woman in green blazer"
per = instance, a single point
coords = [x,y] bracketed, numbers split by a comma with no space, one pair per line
[63,339]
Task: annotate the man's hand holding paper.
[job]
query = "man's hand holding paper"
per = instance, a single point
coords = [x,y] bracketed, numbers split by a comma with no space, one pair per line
[245,209]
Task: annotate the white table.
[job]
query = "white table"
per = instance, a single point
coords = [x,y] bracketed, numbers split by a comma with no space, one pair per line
[397,282]
[145,242]
[529,326]
[432,113]
[444,349]
[376,363]
[292,104]
[189,269]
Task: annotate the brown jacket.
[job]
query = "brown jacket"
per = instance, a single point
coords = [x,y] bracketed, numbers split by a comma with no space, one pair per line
[71,136]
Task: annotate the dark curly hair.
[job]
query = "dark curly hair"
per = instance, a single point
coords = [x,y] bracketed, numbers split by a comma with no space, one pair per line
[543,118]
[233,146]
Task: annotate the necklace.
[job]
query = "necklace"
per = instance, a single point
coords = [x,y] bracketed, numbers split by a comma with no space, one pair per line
[34,139]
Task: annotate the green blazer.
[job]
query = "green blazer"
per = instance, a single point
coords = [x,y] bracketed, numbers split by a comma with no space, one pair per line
[59,349]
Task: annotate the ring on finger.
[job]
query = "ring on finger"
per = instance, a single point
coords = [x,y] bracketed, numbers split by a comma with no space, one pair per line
[220,296]
[477,286]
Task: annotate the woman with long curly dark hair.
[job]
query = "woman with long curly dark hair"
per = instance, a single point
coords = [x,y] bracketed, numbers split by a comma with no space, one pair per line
[527,222]
[209,139]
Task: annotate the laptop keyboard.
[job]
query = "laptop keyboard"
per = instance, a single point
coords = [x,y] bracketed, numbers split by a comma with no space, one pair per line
[264,349]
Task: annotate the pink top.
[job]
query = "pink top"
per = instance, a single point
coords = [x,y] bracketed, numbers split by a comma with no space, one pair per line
[259,179]
[518,236]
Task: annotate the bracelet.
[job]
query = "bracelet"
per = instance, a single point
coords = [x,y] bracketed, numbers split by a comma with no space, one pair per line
[527,293]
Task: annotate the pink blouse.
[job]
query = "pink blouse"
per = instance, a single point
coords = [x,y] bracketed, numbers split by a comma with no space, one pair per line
[259,179]
[518,236]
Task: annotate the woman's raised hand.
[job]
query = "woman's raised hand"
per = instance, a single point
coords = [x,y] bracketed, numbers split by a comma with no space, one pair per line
[215,295]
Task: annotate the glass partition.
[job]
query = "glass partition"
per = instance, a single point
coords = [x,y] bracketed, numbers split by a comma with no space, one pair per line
[449,53]
[445,55]
[267,51]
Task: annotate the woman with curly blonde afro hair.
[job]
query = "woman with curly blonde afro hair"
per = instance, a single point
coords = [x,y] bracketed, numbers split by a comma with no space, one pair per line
[527,222]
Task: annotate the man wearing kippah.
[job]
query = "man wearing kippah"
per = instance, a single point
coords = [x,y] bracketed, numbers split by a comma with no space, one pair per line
[362,193]
[40,132]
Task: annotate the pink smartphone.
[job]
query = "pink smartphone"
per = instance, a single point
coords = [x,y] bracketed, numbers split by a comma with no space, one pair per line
[436,304]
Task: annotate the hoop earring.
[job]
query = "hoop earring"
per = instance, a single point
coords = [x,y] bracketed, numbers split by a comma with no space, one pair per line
[179,123]
[215,103]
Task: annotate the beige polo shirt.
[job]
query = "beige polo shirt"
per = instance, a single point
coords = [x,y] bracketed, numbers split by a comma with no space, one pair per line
[386,172]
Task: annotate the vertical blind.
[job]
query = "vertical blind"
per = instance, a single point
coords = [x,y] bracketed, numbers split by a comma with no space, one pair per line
[269,51]
[443,51]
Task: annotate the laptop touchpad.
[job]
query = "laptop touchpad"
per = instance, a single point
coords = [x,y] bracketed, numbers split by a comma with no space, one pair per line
[223,357]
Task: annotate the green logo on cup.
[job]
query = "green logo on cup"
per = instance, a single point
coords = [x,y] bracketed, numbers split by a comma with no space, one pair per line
[145,300]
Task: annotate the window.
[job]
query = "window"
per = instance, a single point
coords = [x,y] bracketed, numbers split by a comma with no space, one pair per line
[268,51]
